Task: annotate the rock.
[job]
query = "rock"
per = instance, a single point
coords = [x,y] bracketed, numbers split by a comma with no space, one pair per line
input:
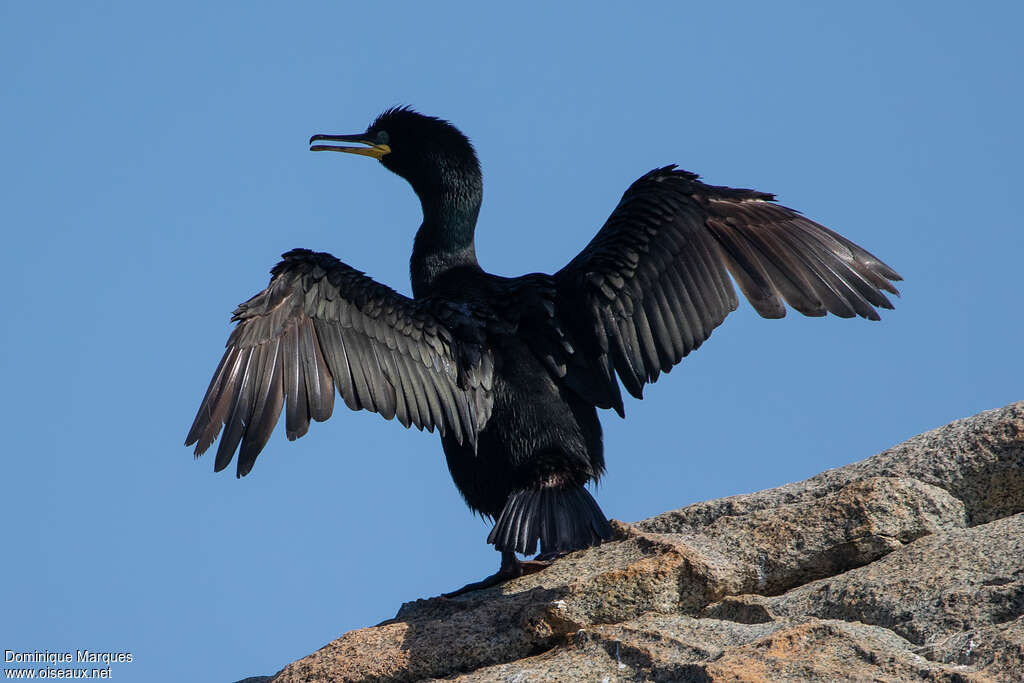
[976,459]
[665,648]
[906,566]
[930,591]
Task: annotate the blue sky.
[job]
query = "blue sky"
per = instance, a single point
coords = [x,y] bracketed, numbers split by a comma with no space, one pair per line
[155,165]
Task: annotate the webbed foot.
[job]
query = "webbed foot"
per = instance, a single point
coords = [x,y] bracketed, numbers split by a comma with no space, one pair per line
[510,568]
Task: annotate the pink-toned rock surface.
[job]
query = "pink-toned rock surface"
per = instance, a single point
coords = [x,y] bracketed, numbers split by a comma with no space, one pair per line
[906,566]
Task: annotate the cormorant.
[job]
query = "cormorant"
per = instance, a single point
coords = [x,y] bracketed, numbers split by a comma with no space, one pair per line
[511,371]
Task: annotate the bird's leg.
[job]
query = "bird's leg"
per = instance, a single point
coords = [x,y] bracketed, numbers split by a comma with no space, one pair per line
[510,568]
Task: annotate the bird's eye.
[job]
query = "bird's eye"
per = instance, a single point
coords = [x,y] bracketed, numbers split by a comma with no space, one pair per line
[382,137]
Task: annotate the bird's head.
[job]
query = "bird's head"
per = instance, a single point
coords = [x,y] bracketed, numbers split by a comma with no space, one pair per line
[432,154]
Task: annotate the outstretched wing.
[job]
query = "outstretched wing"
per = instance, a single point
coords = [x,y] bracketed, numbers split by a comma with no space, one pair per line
[654,282]
[321,324]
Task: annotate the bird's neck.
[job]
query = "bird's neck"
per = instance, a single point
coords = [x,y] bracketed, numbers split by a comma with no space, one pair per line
[445,241]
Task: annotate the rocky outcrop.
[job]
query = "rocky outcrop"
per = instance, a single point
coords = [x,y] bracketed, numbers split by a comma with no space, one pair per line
[906,566]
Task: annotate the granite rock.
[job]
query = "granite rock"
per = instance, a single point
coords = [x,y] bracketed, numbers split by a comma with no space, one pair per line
[906,566]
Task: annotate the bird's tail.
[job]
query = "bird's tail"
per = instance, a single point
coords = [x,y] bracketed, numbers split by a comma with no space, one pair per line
[564,519]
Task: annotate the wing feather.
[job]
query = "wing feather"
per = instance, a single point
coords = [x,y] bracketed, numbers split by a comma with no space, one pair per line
[322,326]
[319,382]
[269,399]
[654,282]
[297,415]
[215,404]
[241,408]
[333,341]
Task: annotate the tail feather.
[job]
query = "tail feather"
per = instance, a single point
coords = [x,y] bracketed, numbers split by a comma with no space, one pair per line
[562,519]
[510,534]
[528,531]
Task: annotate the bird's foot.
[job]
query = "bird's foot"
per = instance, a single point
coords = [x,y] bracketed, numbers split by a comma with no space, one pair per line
[501,576]
[511,568]
[550,557]
[533,566]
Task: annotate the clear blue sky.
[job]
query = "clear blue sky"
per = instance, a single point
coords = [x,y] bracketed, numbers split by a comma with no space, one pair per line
[155,165]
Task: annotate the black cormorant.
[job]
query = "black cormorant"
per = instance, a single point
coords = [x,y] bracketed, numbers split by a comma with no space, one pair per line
[511,371]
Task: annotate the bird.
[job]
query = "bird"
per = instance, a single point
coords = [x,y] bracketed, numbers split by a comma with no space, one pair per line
[511,371]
